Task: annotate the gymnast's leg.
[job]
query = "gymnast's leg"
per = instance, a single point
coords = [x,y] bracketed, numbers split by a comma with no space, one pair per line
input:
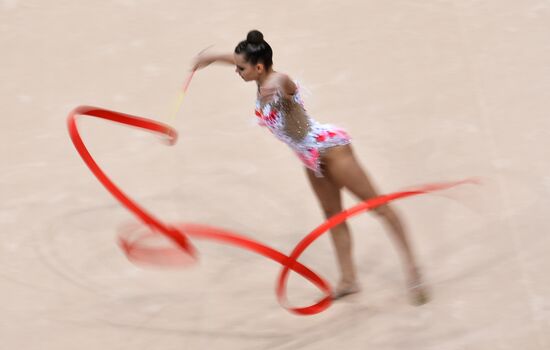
[344,170]
[328,194]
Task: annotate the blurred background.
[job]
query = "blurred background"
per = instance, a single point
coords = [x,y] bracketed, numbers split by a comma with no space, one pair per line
[430,90]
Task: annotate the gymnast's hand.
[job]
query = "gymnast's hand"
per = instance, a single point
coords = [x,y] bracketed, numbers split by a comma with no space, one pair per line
[204,59]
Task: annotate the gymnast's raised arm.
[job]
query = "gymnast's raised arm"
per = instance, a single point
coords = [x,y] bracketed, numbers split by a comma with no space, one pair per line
[204,59]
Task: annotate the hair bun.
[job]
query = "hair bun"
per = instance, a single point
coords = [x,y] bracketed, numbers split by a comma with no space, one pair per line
[255,37]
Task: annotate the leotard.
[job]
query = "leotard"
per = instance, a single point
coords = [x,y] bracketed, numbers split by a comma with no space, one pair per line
[288,120]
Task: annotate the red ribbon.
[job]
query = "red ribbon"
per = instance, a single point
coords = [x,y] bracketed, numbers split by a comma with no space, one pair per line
[134,243]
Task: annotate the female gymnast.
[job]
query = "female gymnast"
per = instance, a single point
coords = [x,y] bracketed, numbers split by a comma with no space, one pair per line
[325,151]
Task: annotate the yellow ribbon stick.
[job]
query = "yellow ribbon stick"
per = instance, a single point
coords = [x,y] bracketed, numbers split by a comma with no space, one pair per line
[180,97]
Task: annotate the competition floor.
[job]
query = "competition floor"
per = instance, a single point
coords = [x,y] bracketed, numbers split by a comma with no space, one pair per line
[430,90]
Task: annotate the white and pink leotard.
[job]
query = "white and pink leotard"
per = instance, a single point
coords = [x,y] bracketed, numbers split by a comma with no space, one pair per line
[288,121]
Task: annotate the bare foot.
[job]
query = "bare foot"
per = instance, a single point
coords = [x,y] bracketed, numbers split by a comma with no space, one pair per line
[344,289]
[418,291]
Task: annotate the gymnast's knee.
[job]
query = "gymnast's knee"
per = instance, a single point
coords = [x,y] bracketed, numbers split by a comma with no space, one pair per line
[384,211]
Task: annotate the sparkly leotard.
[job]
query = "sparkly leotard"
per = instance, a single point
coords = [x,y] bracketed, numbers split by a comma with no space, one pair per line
[287,119]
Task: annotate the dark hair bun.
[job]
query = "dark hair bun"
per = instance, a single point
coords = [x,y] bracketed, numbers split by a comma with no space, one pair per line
[255,37]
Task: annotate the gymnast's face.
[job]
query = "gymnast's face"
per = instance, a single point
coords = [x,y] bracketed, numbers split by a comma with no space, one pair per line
[246,70]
